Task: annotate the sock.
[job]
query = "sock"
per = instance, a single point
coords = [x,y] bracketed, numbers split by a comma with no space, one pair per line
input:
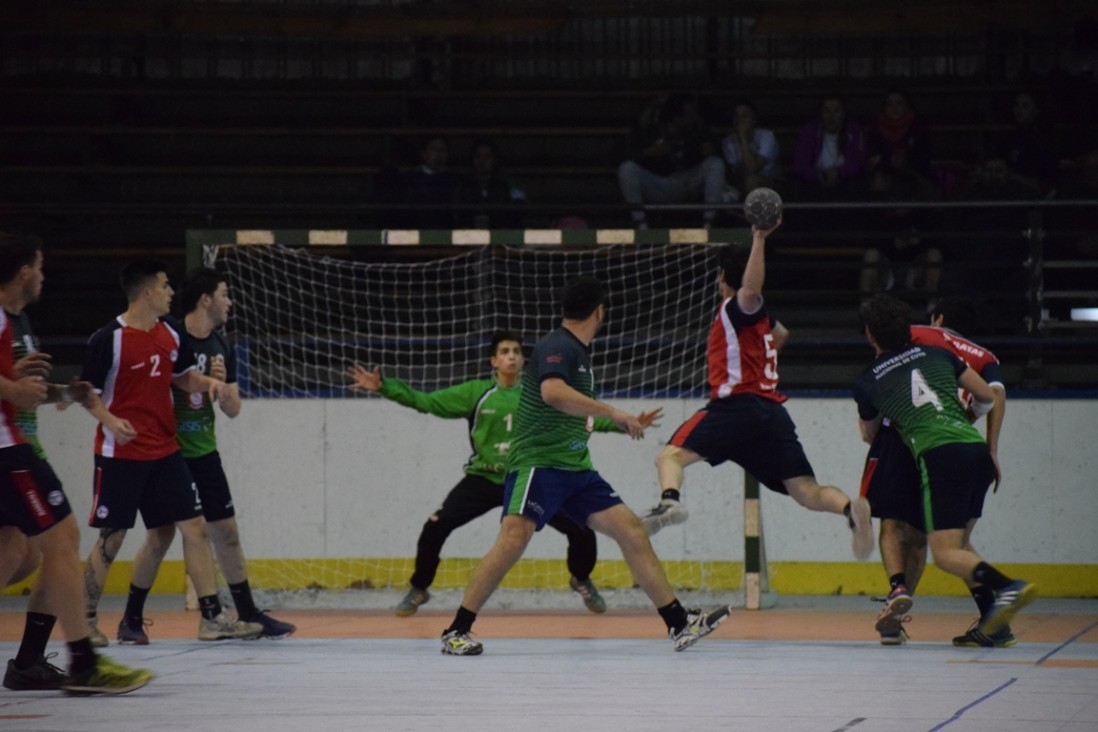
[670,493]
[897,579]
[674,614]
[36,634]
[849,518]
[81,655]
[209,606]
[135,606]
[463,621]
[985,574]
[983,596]
[242,598]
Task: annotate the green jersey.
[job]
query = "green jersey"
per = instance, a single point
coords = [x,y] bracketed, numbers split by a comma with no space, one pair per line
[546,437]
[917,390]
[194,412]
[23,342]
[488,407]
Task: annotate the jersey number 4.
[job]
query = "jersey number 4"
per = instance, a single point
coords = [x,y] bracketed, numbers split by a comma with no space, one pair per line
[921,393]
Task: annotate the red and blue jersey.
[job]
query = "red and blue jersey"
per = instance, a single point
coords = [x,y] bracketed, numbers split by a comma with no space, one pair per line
[9,430]
[133,370]
[741,353]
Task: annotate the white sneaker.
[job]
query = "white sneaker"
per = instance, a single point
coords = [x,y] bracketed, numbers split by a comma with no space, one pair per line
[98,640]
[667,512]
[224,627]
[861,523]
[698,625]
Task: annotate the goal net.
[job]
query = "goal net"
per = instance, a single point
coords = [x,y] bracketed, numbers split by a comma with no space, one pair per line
[300,317]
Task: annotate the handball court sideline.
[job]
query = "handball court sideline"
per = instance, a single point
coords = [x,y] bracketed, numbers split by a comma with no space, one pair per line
[809,664]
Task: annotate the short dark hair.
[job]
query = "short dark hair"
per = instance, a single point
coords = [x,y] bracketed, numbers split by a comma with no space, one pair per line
[135,275]
[16,252]
[199,282]
[958,313]
[581,297]
[888,320]
[732,260]
[500,336]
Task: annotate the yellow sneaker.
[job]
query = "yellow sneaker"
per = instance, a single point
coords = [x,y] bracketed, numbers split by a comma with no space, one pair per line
[106,677]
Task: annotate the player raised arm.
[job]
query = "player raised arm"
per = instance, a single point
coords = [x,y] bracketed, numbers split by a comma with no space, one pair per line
[364,379]
[749,294]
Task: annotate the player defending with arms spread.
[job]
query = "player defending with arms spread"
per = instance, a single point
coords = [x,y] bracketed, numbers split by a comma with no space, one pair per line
[744,420]
[488,405]
[33,501]
[206,306]
[133,363]
[549,470]
[893,485]
[915,387]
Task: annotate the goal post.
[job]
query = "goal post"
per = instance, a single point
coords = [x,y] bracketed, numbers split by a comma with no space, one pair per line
[304,308]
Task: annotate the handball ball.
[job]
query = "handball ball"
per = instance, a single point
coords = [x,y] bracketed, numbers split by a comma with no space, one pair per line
[763,207]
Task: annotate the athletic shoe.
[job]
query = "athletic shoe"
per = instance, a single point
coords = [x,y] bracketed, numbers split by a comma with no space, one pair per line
[272,629]
[40,676]
[98,640]
[590,594]
[458,643]
[223,627]
[1008,601]
[975,638]
[131,636]
[698,625]
[412,601]
[667,512]
[861,523]
[106,677]
[892,617]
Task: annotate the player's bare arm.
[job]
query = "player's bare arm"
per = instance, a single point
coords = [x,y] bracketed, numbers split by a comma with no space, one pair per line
[780,334]
[122,430]
[749,295]
[983,395]
[192,381]
[25,393]
[361,378]
[35,363]
[869,427]
[560,396]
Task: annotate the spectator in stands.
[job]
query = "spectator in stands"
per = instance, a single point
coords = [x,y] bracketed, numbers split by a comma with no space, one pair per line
[899,140]
[830,155]
[486,185]
[672,159]
[750,153]
[431,185]
[1031,150]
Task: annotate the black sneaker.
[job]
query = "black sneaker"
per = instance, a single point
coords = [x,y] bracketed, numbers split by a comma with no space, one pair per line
[272,629]
[128,635]
[40,676]
[975,638]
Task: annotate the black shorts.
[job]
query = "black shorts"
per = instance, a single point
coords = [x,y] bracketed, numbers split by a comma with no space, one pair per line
[755,433]
[162,490]
[213,486]
[31,497]
[957,477]
[891,481]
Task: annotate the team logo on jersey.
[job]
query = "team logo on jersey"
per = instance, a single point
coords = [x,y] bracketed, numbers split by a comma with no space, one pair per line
[195,399]
[555,358]
[56,498]
[175,355]
[102,512]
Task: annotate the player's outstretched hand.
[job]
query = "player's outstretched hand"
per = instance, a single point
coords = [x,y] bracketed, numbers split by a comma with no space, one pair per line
[123,431]
[214,389]
[628,424]
[766,232]
[35,363]
[650,419]
[363,379]
[81,392]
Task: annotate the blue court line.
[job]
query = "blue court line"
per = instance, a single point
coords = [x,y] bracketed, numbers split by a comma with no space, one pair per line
[962,710]
[1066,643]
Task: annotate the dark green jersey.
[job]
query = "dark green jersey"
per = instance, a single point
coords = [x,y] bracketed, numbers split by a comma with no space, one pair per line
[917,390]
[488,407]
[23,341]
[546,437]
[194,412]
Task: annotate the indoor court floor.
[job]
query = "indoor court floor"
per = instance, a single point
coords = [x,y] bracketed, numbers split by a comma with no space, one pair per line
[810,664]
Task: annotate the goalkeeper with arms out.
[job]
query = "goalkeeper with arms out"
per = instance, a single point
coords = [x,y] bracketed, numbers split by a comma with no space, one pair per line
[488,406]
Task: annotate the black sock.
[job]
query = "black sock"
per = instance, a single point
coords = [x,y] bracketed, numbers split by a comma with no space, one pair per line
[36,634]
[983,596]
[135,606]
[209,606]
[82,656]
[846,512]
[463,621]
[674,615]
[242,598]
[985,574]
[670,493]
[897,579]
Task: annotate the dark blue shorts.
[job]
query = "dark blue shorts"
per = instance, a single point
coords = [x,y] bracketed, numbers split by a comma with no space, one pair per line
[31,498]
[540,493]
[213,486]
[755,433]
[955,480]
[891,481]
[162,490]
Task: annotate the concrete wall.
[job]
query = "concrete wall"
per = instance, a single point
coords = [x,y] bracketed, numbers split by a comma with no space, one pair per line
[357,478]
